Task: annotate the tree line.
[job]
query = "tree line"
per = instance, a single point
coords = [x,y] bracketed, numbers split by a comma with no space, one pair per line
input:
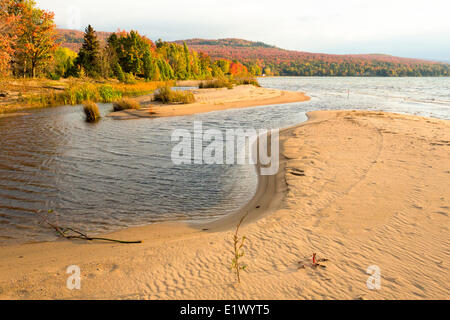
[269,60]
[354,69]
[29,48]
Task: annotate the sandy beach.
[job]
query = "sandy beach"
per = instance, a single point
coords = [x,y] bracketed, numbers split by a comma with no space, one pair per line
[358,188]
[208,100]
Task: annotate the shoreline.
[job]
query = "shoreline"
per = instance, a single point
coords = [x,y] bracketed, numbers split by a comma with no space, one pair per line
[354,210]
[209,100]
[19,96]
[242,96]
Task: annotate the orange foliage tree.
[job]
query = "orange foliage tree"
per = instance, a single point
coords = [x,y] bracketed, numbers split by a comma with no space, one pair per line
[7,37]
[238,69]
[36,38]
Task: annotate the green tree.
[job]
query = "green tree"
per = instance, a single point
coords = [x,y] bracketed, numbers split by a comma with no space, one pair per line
[187,58]
[150,67]
[134,52]
[224,65]
[63,62]
[89,54]
[118,72]
[165,70]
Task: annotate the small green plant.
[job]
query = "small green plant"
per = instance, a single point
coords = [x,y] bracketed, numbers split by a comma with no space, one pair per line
[125,104]
[91,111]
[108,94]
[167,96]
[238,252]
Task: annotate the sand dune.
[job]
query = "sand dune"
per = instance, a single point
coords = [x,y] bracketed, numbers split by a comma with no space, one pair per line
[358,188]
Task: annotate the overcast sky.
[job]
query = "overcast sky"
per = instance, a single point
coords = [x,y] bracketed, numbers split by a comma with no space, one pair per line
[408,28]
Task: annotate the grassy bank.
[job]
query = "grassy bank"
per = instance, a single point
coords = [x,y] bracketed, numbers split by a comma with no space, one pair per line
[20,94]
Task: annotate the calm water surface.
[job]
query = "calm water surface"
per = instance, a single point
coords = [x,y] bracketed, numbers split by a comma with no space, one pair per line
[114,174]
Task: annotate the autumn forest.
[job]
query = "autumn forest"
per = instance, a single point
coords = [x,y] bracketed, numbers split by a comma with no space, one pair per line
[32,46]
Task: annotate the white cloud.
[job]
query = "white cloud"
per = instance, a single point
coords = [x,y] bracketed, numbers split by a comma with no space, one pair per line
[351,26]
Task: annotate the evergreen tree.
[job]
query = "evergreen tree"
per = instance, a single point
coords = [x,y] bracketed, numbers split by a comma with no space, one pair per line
[118,72]
[149,67]
[187,61]
[89,55]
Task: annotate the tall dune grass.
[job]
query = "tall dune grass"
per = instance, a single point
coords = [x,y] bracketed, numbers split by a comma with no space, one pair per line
[168,96]
[219,83]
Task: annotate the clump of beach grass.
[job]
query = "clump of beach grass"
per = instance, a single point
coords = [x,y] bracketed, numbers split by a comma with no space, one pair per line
[219,83]
[168,96]
[91,111]
[125,104]
[247,81]
[228,83]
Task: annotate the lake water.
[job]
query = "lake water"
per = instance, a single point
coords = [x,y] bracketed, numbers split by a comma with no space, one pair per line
[115,174]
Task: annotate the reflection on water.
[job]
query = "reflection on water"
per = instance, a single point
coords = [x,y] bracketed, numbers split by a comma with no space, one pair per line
[113,174]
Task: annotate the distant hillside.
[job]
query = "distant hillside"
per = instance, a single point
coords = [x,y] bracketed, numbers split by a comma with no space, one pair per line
[73,39]
[261,58]
[277,61]
[247,51]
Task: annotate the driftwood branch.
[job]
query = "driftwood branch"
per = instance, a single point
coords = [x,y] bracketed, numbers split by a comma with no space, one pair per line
[70,233]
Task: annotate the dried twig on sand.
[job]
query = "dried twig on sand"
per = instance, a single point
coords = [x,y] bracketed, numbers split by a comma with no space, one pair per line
[70,233]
